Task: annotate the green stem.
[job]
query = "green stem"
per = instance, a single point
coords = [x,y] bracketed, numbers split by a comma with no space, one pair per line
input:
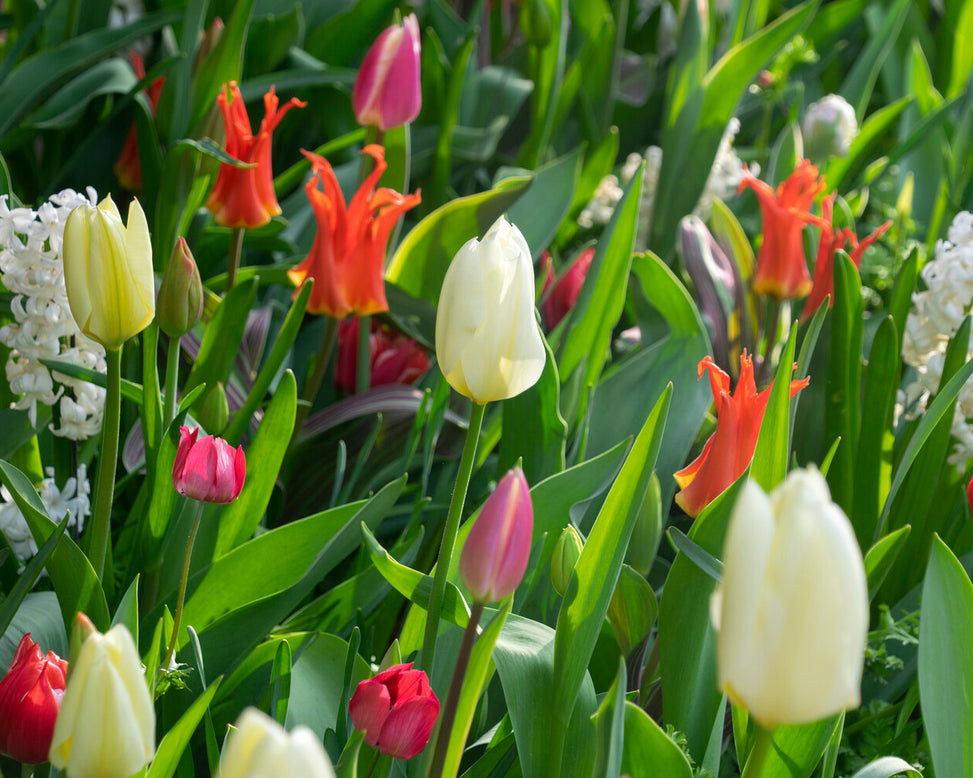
[455,687]
[428,651]
[770,340]
[762,741]
[183,580]
[236,251]
[363,366]
[172,379]
[313,383]
[105,487]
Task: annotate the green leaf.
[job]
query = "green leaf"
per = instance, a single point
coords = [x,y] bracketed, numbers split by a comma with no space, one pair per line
[222,337]
[648,751]
[887,767]
[280,682]
[860,81]
[546,201]
[632,610]
[209,148]
[872,129]
[945,672]
[174,743]
[598,163]
[796,750]
[881,557]
[27,579]
[610,724]
[130,390]
[64,108]
[127,612]
[39,615]
[698,555]
[770,457]
[343,38]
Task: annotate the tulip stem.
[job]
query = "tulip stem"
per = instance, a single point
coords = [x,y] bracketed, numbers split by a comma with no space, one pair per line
[363,366]
[172,379]
[236,251]
[183,580]
[455,688]
[105,487]
[428,651]
[313,383]
[762,742]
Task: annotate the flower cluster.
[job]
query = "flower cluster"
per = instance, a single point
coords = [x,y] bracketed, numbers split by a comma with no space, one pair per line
[32,269]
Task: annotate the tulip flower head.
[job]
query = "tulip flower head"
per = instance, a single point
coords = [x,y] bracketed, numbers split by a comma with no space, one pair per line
[208,469]
[245,197]
[559,297]
[387,90]
[128,168]
[30,696]
[259,746]
[396,710]
[730,448]
[781,265]
[393,358]
[347,259]
[108,272]
[488,344]
[106,726]
[180,302]
[792,607]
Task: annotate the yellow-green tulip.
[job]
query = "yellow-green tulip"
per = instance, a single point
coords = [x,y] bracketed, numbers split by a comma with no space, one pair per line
[108,272]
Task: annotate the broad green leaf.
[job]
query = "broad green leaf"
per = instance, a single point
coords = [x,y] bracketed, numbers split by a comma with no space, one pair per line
[901,302]
[860,81]
[27,579]
[127,612]
[698,555]
[174,743]
[796,750]
[222,337]
[64,108]
[633,609]
[280,682]
[546,201]
[598,163]
[648,751]
[347,35]
[39,615]
[881,557]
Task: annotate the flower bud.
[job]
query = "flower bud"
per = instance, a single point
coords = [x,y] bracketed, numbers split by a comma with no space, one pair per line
[108,272]
[396,710]
[208,469]
[496,551]
[567,551]
[829,127]
[106,726]
[387,91]
[30,696]
[560,296]
[487,340]
[792,609]
[180,303]
[214,410]
[258,745]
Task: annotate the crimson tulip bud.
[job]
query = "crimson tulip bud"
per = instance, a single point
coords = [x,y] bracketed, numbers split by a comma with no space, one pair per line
[396,710]
[495,555]
[180,303]
[560,296]
[208,469]
[30,697]
[387,91]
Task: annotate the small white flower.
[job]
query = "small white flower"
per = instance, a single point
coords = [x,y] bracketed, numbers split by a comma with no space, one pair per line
[829,127]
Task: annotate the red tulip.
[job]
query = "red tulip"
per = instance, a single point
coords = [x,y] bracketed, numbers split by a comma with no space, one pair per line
[394,358]
[560,296]
[396,710]
[30,697]
[208,469]
[128,168]
[387,91]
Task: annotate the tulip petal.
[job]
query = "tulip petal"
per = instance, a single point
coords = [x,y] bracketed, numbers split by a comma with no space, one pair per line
[75,255]
[369,708]
[408,727]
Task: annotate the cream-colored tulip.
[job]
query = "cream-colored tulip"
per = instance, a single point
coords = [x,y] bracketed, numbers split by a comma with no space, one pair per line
[108,271]
[488,343]
[792,609]
[260,746]
[106,726]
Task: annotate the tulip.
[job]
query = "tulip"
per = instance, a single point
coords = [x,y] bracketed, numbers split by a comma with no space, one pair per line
[567,552]
[394,358]
[108,272]
[208,469]
[730,448]
[387,90]
[259,746]
[488,343]
[30,696]
[792,608]
[106,727]
[347,259]
[245,197]
[495,555]
[829,127]
[396,710]
[128,168]
[781,265]
[180,303]
[560,296]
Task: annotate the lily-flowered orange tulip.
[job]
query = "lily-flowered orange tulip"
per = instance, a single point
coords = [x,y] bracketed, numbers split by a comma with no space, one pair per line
[781,264]
[729,450]
[245,197]
[347,260]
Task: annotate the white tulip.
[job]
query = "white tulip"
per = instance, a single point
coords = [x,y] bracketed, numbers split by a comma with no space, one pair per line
[792,609]
[106,725]
[488,342]
[259,746]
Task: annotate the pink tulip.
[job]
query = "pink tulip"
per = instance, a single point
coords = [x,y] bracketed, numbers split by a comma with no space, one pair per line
[394,358]
[208,469]
[396,710]
[560,296]
[495,555]
[387,91]
[30,697]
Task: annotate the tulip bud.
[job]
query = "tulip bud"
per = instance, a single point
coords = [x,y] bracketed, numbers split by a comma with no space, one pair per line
[496,551]
[488,343]
[792,609]
[567,551]
[180,304]
[829,127]
[535,23]
[106,726]
[208,469]
[560,296]
[258,745]
[647,532]
[214,410]
[387,91]
[30,696]
[396,710]
[108,272]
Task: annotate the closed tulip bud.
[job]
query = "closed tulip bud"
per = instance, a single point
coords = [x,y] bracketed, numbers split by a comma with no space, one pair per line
[792,609]
[106,727]
[214,410]
[829,127]
[180,304]
[387,90]
[488,343]
[496,551]
[567,551]
[208,469]
[258,745]
[108,272]
[30,696]
[560,296]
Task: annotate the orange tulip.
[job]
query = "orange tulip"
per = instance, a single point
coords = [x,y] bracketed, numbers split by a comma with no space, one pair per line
[728,452]
[347,260]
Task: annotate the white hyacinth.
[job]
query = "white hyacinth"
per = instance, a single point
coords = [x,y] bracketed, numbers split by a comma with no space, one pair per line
[31,268]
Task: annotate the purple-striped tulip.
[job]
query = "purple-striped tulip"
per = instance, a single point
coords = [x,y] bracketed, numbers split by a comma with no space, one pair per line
[387,91]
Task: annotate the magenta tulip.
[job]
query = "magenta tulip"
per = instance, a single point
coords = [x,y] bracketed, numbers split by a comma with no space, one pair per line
[208,469]
[387,91]
[396,710]
[30,697]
